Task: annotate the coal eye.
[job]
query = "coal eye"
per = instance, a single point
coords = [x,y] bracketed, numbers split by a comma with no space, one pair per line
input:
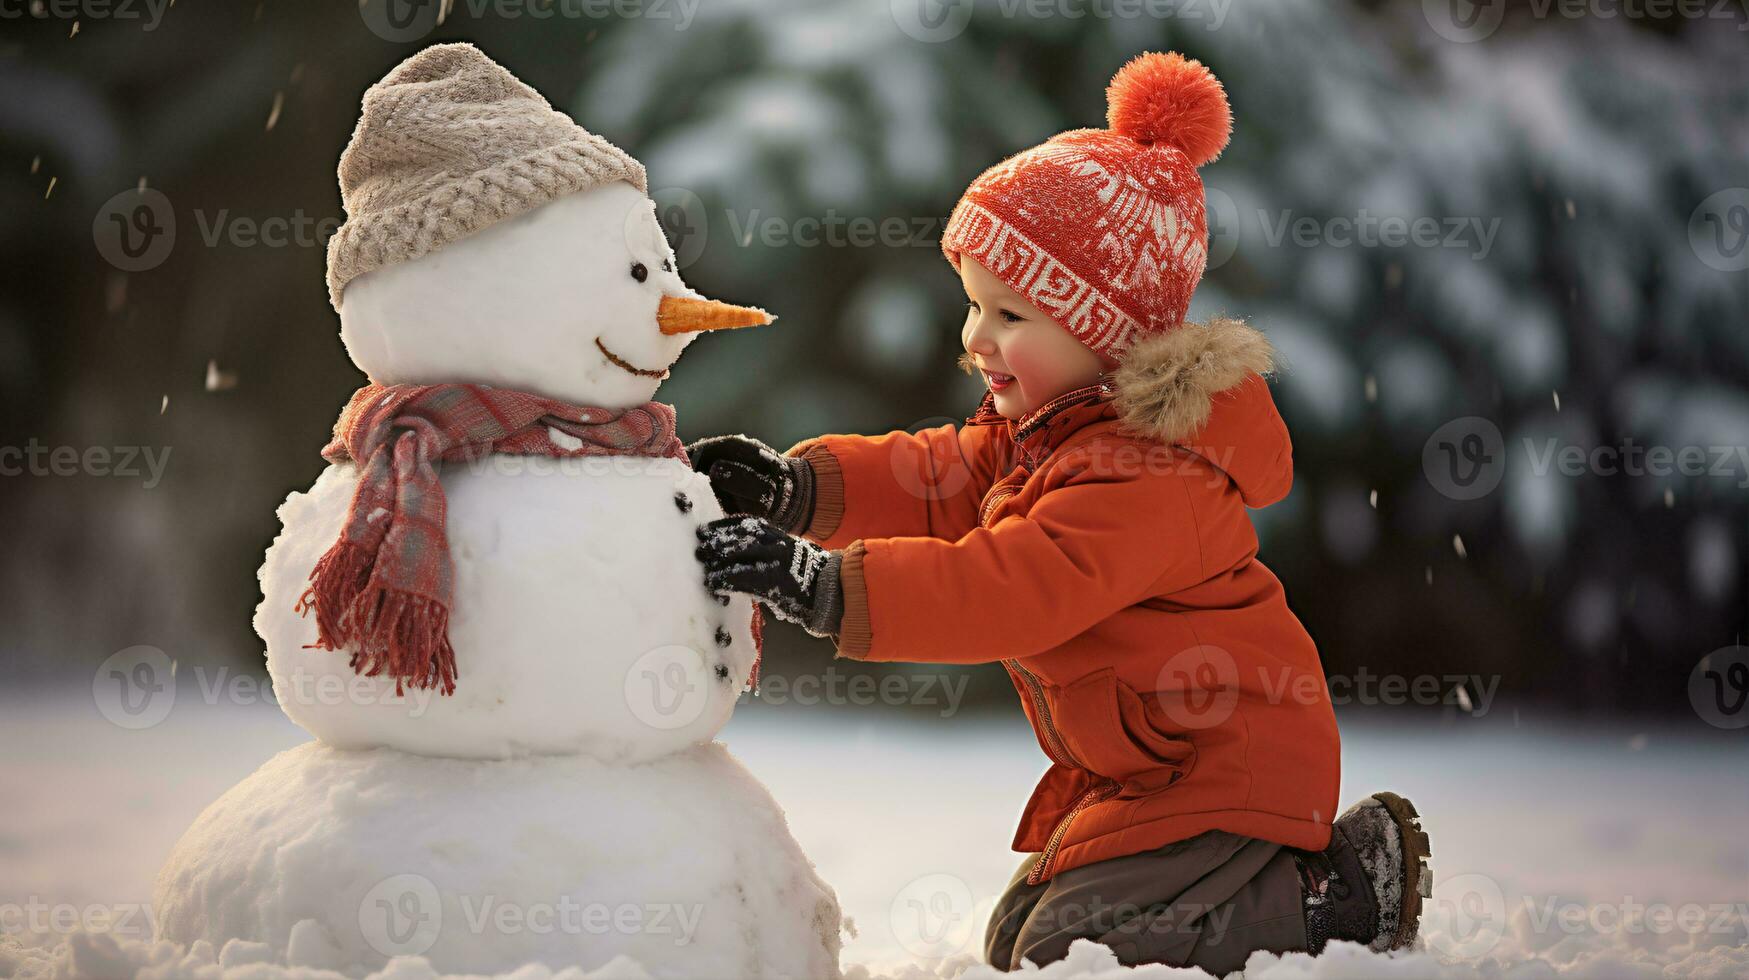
[639,272]
[667,266]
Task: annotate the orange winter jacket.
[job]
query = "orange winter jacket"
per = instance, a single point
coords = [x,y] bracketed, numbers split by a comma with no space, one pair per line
[1100,549]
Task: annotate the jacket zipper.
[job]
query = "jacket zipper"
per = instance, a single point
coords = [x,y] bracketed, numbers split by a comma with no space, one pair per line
[1049,854]
[1053,742]
[994,501]
[1059,753]
[1054,746]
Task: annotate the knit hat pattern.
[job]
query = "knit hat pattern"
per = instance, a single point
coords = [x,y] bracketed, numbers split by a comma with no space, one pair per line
[450,142]
[1106,230]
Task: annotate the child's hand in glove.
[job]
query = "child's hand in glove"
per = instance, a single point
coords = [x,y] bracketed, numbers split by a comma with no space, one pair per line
[750,477]
[796,578]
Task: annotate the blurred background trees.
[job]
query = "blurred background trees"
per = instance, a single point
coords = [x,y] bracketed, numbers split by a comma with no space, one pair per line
[1587,179]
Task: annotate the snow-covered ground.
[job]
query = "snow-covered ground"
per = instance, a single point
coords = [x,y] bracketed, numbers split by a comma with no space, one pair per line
[1568,850]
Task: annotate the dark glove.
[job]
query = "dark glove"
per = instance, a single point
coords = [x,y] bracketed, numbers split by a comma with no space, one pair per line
[796,578]
[750,477]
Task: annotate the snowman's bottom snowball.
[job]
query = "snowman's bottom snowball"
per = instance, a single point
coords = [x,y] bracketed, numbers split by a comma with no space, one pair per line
[341,858]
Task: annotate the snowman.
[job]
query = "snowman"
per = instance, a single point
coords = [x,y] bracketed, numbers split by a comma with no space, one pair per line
[487,609]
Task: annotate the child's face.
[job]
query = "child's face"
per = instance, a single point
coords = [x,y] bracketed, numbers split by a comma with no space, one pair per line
[1025,357]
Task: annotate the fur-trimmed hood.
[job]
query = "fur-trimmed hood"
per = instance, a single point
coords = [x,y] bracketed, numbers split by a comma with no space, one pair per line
[1201,386]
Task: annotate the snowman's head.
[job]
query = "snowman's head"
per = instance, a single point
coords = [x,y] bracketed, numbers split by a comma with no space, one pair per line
[578,300]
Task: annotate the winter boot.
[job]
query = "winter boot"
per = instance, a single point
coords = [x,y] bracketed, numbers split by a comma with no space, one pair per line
[1367,886]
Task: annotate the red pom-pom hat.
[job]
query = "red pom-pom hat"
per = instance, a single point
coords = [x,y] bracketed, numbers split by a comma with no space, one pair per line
[1105,229]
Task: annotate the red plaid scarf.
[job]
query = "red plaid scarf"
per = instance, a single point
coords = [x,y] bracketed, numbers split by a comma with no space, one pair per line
[384,589]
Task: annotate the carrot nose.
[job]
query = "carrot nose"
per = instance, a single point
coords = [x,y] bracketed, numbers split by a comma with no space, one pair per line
[681,314]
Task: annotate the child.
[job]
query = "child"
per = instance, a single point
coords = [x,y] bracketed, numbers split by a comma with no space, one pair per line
[1087,528]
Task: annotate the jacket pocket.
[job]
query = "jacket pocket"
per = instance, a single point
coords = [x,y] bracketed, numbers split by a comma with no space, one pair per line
[1107,726]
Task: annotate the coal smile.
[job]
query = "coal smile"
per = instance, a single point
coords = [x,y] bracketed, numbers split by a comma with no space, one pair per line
[621,362]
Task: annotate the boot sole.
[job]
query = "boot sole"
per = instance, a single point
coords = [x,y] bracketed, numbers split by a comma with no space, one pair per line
[1417,875]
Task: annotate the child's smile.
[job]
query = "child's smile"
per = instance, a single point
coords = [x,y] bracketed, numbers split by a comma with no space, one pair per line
[1025,357]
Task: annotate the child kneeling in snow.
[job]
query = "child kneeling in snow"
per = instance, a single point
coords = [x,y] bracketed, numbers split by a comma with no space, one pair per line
[1086,527]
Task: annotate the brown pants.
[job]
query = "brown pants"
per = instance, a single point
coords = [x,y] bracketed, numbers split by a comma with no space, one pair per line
[1206,902]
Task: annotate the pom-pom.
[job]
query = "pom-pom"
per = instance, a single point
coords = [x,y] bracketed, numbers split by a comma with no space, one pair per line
[1170,99]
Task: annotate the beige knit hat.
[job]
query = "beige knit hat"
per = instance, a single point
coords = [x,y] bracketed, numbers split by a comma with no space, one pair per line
[450,142]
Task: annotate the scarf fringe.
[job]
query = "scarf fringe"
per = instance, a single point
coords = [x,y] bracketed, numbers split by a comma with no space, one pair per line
[402,634]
